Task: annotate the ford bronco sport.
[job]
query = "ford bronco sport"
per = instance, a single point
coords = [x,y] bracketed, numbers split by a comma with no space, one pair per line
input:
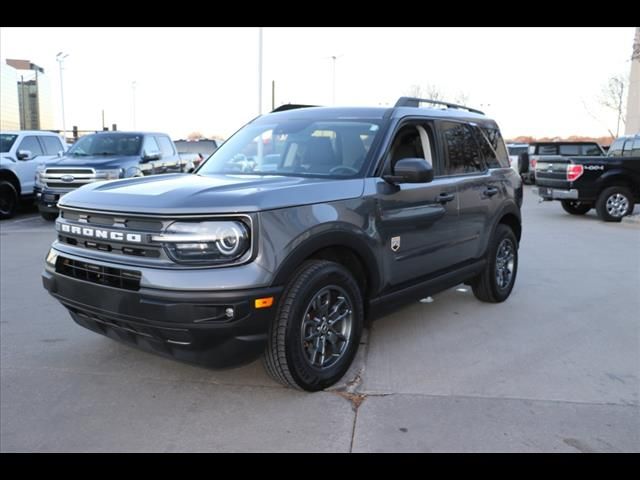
[300,226]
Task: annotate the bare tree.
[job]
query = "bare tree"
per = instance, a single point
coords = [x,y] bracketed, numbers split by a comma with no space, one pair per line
[431,91]
[462,98]
[613,97]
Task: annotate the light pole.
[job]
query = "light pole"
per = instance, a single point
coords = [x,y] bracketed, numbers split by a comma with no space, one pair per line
[260,71]
[133,92]
[60,58]
[333,77]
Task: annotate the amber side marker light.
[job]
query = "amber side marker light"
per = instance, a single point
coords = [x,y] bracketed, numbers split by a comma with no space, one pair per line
[265,302]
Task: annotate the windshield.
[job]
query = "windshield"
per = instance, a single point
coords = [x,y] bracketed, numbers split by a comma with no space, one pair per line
[105,144]
[6,142]
[326,148]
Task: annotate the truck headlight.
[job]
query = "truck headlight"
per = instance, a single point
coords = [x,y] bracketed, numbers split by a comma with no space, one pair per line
[109,174]
[212,242]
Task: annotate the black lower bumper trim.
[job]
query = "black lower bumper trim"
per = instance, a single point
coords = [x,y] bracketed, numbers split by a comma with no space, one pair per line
[188,326]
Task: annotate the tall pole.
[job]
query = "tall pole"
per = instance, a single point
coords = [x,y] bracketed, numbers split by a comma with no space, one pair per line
[333,77]
[273,94]
[60,58]
[133,92]
[260,71]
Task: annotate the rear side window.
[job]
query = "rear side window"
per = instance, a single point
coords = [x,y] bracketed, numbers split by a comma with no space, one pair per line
[492,147]
[166,146]
[462,153]
[52,145]
[570,150]
[31,143]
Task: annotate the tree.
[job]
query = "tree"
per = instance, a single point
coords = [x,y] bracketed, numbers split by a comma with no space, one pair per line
[461,98]
[432,92]
[195,136]
[613,97]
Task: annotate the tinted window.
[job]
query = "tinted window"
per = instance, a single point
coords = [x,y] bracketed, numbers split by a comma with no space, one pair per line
[493,148]
[569,149]
[106,144]
[636,147]
[6,142]
[462,154]
[547,149]
[31,143]
[166,147]
[52,145]
[591,150]
[615,150]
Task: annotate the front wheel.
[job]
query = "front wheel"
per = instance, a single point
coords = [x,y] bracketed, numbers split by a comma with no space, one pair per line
[8,200]
[316,331]
[575,207]
[49,216]
[496,281]
[614,203]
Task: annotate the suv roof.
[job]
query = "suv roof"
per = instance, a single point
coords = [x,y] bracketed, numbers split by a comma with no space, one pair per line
[30,132]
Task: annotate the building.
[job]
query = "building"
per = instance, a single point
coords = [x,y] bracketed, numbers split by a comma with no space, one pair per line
[9,104]
[633,99]
[35,105]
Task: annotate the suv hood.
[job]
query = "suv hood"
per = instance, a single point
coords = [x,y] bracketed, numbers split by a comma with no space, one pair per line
[92,161]
[180,194]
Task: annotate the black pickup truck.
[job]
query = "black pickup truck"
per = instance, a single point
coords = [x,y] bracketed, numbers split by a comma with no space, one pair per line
[611,183]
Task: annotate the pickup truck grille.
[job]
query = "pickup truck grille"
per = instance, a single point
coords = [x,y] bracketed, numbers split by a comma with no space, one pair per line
[68,178]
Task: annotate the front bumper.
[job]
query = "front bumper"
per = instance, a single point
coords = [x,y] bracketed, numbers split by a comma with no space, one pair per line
[187,325]
[47,200]
[547,193]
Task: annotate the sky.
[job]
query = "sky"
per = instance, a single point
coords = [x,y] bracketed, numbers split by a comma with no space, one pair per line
[532,81]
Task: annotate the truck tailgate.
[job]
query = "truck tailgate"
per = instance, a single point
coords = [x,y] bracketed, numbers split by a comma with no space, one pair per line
[552,172]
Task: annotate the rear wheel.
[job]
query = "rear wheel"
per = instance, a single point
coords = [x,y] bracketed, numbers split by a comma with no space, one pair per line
[316,332]
[496,281]
[575,207]
[8,199]
[614,203]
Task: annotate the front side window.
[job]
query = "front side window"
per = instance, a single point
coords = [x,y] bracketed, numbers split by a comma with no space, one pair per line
[462,155]
[6,142]
[627,149]
[636,147]
[107,145]
[31,143]
[296,147]
[166,146]
[615,150]
[52,145]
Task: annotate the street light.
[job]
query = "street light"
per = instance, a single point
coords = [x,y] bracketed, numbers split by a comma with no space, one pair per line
[60,58]
[333,77]
[133,91]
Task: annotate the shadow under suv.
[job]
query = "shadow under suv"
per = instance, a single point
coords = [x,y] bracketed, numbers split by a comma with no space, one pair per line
[299,227]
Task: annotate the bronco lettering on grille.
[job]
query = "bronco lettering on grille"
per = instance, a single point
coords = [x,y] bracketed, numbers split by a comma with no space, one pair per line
[100,233]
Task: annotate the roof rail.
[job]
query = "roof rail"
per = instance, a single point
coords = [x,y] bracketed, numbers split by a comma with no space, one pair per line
[415,102]
[290,106]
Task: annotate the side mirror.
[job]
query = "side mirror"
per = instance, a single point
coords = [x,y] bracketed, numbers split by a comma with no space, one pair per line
[151,155]
[60,153]
[24,155]
[411,170]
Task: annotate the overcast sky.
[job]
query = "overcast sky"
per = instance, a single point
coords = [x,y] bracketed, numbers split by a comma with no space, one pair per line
[532,81]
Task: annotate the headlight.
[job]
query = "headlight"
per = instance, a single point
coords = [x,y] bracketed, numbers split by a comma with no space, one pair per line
[212,242]
[109,174]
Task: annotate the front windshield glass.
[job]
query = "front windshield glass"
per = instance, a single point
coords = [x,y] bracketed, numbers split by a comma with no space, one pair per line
[6,142]
[105,144]
[295,147]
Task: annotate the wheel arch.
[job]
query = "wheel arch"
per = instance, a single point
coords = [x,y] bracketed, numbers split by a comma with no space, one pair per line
[11,177]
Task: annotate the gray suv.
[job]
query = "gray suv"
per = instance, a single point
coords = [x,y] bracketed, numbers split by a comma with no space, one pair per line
[301,226]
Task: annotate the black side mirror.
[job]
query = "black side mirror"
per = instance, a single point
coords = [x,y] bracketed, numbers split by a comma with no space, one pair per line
[411,170]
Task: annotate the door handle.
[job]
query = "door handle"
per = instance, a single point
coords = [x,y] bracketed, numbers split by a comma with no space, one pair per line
[445,197]
[490,191]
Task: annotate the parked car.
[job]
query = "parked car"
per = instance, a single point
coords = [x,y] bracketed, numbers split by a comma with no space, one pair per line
[20,154]
[104,156]
[282,248]
[194,152]
[538,151]
[516,150]
[611,183]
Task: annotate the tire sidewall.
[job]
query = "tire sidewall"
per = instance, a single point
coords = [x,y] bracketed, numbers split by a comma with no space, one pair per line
[501,233]
[8,190]
[305,375]
[602,203]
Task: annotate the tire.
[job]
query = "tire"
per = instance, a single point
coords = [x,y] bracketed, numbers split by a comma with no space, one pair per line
[289,358]
[614,203]
[576,207]
[49,216]
[485,286]
[8,200]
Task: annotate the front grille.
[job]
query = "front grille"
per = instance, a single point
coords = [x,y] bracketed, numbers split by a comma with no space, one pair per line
[109,276]
[53,177]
